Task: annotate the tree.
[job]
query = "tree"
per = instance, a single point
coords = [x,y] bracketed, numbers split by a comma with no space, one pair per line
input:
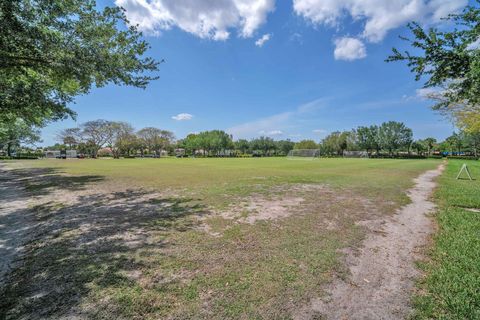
[242,145]
[429,144]
[285,146]
[473,140]
[70,137]
[128,142]
[95,134]
[451,63]
[335,143]
[115,132]
[52,51]
[306,144]
[367,138]
[263,144]
[191,143]
[16,133]
[455,142]
[215,141]
[419,146]
[155,139]
[393,135]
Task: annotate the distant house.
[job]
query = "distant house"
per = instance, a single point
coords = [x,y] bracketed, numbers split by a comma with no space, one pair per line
[164,153]
[60,154]
[52,154]
[71,153]
[180,152]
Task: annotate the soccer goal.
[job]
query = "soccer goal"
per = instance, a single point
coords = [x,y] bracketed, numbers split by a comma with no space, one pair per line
[303,154]
[355,154]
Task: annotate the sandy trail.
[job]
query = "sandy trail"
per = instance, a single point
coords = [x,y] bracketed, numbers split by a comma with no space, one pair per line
[382,273]
[16,221]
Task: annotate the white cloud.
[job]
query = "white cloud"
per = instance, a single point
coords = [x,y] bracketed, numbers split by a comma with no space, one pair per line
[276,124]
[253,128]
[349,49]
[260,42]
[183,117]
[319,131]
[296,37]
[378,16]
[272,133]
[204,18]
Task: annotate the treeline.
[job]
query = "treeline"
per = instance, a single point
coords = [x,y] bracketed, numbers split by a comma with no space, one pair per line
[219,143]
[120,139]
[117,138]
[392,139]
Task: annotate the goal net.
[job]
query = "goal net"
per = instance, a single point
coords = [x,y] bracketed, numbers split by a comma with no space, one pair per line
[303,154]
[355,154]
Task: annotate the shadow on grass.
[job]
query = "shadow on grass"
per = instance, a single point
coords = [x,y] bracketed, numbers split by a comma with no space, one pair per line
[41,181]
[91,243]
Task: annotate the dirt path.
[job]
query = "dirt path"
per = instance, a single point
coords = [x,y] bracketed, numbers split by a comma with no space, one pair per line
[15,220]
[382,273]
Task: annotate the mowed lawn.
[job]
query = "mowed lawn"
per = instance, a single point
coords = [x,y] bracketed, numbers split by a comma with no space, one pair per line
[451,289]
[217,177]
[194,238]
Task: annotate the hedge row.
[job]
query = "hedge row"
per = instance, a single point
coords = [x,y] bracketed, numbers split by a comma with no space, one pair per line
[463,157]
[19,158]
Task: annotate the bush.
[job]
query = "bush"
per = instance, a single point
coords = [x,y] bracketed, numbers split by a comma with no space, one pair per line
[31,157]
[397,156]
[462,157]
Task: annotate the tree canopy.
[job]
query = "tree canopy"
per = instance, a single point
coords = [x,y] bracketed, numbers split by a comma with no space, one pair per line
[52,51]
[306,144]
[450,62]
[15,133]
[393,135]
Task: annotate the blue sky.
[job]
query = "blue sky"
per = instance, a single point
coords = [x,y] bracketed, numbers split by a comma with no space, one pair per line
[290,69]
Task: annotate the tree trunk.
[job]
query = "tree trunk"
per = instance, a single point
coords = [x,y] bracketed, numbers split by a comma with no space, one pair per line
[9,149]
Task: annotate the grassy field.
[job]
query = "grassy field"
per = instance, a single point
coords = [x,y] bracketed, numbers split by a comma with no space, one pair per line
[451,289]
[218,179]
[185,238]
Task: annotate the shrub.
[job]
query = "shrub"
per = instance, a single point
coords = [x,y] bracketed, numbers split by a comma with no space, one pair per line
[462,157]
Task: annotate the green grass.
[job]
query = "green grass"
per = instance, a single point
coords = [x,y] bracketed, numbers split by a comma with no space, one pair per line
[267,270]
[218,179]
[451,289]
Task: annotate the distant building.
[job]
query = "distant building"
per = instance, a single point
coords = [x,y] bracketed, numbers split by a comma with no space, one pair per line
[52,154]
[71,153]
[180,152]
[63,154]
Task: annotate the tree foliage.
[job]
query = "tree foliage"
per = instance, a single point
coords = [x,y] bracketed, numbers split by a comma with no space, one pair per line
[393,135]
[306,144]
[52,51]
[367,138]
[15,133]
[155,139]
[450,62]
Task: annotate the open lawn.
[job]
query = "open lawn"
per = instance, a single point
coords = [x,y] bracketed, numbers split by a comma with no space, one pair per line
[192,238]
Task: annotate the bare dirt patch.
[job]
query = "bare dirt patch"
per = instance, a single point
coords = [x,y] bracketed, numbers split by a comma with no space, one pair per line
[284,201]
[383,270]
